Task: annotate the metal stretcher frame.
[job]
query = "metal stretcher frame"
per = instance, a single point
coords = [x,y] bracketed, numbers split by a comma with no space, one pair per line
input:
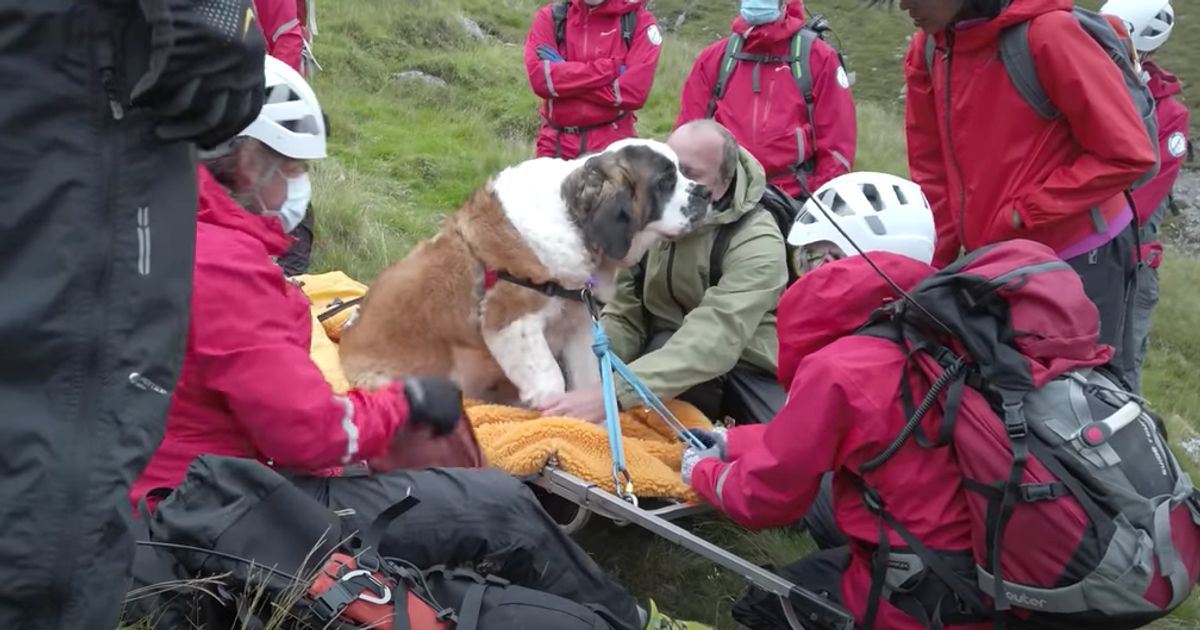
[800,606]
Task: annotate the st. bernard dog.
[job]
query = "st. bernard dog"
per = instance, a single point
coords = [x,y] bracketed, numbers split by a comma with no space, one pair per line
[495,296]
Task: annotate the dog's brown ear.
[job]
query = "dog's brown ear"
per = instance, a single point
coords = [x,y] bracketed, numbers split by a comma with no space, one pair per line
[600,198]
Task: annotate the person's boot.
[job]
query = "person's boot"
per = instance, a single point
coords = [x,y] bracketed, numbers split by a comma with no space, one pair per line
[655,620]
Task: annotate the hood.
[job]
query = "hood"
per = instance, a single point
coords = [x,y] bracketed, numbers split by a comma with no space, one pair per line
[610,7]
[1162,83]
[767,35]
[216,207]
[747,190]
[1016,12]
[835,300]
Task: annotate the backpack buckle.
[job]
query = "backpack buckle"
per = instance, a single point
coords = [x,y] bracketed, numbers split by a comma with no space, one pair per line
[1014,421]
[872,500]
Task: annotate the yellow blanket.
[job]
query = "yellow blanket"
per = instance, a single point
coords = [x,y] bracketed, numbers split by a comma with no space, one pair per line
[519,441]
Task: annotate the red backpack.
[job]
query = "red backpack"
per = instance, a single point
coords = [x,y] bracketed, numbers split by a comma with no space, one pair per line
[1076,502]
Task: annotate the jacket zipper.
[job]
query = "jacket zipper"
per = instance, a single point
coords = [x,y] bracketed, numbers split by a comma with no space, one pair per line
[73,473]
[671,279]
[962,184]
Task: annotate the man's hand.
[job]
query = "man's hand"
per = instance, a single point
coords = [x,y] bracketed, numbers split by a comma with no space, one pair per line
[546,52]
[585,404]
[433,402]
[693,455]
[714,439]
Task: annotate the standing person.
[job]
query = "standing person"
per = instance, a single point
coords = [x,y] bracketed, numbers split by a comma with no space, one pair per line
[102,100]
[1150,23]
[592,63]
[801,143]
[995,170]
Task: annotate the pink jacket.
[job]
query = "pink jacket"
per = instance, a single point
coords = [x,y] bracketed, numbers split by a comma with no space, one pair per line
[248,387]
[1172,151]
[600,85]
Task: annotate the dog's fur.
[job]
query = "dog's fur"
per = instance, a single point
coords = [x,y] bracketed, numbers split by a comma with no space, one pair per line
[543,221]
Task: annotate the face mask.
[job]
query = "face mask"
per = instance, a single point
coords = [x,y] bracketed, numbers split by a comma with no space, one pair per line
[299,192]
[757,12]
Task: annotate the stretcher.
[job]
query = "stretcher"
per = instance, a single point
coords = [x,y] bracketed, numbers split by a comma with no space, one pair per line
[802,608]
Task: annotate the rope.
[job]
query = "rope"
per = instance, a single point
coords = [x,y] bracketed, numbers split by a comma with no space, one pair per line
[609,363]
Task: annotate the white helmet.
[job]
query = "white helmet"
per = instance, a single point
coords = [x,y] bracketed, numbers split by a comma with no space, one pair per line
[879,212]
[291,121]
[1149,21]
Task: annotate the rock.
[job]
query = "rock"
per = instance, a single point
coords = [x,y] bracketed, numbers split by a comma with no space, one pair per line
[1183,231]
[680,20]
[472,28]
[417,75]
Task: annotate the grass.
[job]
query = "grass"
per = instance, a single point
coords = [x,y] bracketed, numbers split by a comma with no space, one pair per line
[404,153]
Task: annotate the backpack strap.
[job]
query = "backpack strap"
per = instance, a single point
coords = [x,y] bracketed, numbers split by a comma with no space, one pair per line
[1018,61]
[628,26]
[716,256]
[472,605]
[728,63]
[801,49]
[559,13]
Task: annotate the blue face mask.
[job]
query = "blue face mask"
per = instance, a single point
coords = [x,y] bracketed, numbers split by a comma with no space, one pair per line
[757,12]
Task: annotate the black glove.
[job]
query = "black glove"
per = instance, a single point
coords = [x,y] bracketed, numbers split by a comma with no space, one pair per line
[434,402]
[205,81]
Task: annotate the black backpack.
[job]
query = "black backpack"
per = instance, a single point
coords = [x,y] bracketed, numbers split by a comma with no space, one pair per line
[260,547]
[559,13]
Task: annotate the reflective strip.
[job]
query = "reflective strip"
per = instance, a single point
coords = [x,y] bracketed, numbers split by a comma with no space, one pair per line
[143,234]
[549,81]
[617,92]
[837,155]
[800,146]
[283,28]
[350,428]
[721,485]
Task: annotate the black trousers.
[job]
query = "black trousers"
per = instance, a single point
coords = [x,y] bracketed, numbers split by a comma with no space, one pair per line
[1109,275]
[819,572]
[97,234]
[485,519]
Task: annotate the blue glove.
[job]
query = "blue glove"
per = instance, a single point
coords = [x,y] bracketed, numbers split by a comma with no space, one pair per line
[621,70]
[545,52]
[692,456]
[712,439]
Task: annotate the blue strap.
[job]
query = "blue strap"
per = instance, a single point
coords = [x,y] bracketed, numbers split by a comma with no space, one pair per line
[608,363]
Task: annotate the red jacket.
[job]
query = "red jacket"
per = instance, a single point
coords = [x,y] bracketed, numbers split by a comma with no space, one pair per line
[248,387]
[590,89]
[281,25]
[772,122]
[844,408]
[1172,151]
[992,155]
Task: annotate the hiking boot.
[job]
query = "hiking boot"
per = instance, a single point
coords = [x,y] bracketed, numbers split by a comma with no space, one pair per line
[658,621]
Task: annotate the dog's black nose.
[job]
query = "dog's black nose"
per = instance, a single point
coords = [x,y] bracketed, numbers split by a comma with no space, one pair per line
[699,201]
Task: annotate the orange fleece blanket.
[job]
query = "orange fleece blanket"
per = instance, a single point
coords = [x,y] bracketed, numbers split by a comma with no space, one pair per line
[521,442]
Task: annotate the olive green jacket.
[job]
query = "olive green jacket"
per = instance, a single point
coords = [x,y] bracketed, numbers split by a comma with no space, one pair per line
[716,327]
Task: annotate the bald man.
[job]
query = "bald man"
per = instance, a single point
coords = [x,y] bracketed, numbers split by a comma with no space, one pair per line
[685,336]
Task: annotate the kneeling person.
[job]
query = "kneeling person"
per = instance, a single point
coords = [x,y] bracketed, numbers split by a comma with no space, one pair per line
[684,333]
[845,407]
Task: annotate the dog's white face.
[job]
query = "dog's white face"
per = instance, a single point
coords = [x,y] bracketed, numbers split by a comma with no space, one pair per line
[631,195]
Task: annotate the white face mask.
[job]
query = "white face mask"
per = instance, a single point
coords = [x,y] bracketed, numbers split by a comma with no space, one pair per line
[291,213]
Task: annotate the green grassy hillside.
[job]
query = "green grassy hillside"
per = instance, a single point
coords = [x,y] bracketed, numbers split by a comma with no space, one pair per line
[406,152]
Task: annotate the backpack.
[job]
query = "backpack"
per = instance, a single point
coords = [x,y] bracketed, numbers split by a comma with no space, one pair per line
[800,60]
[781,206]
[1018,61]
[1076,502]
[267,551]
[559,14]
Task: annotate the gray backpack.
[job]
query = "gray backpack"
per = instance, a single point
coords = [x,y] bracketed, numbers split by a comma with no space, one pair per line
[1018,61]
